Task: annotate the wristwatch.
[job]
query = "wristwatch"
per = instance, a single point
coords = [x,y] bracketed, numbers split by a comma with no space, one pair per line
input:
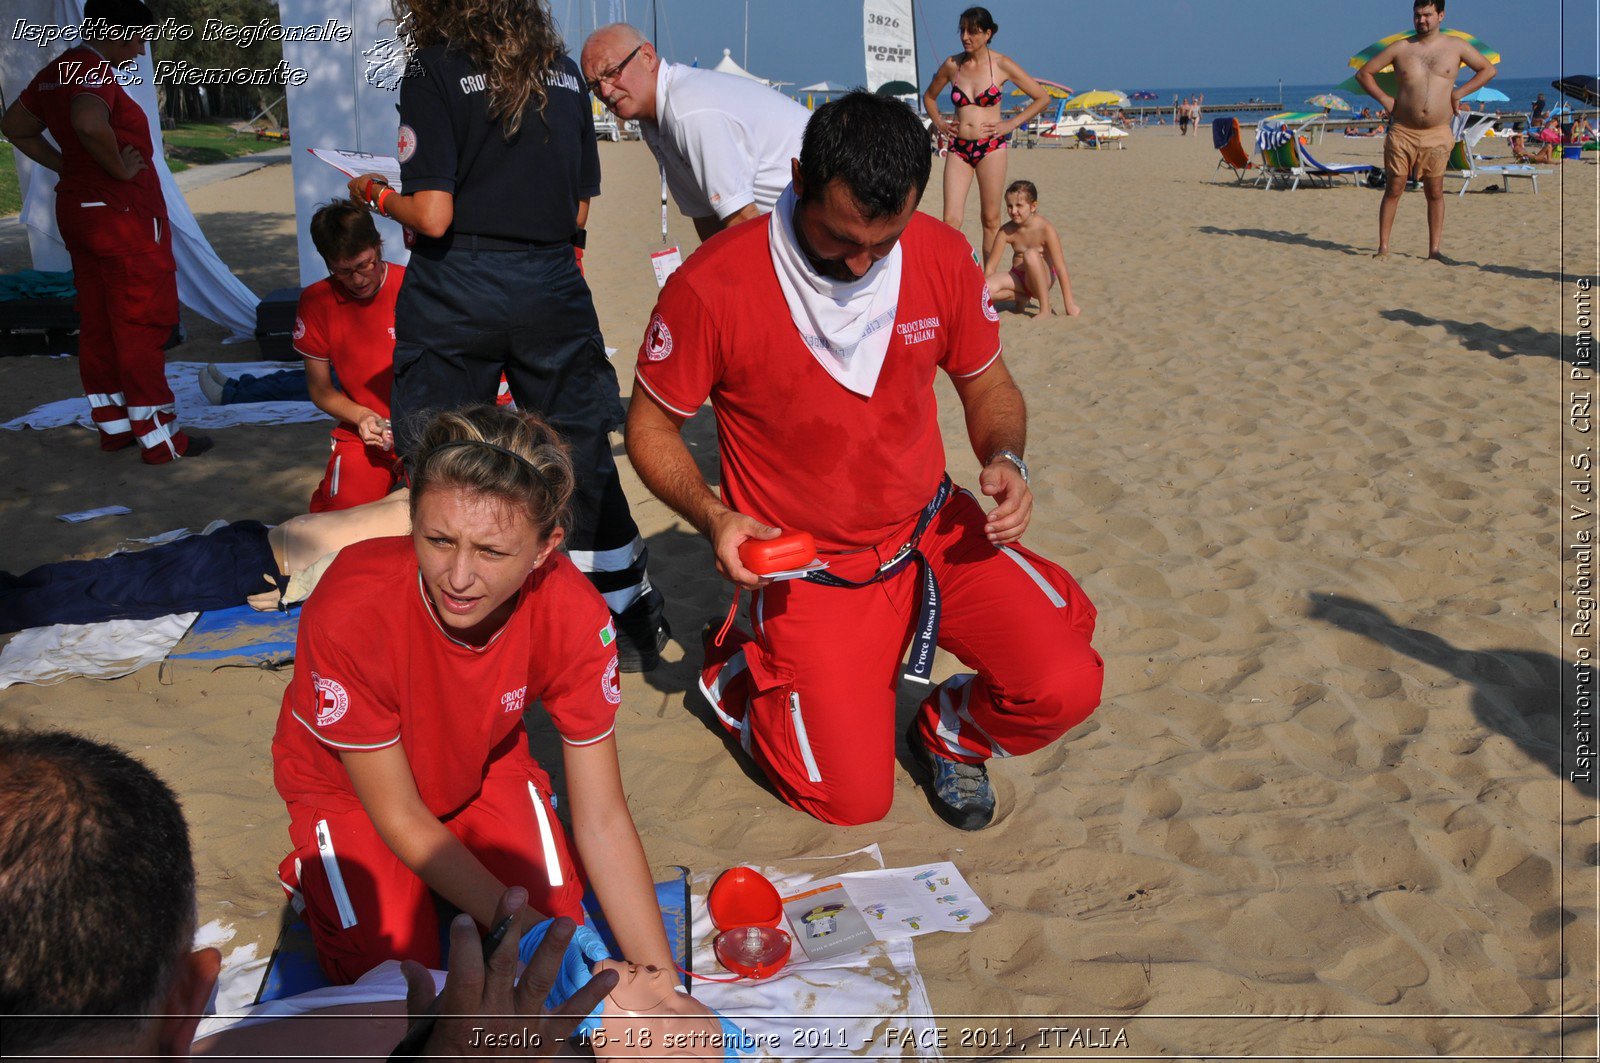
[1014,458]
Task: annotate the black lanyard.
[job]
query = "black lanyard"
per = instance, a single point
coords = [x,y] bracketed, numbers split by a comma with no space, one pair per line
[924,637]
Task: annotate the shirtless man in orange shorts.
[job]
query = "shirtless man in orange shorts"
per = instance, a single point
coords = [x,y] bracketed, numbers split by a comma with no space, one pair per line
[1426,96]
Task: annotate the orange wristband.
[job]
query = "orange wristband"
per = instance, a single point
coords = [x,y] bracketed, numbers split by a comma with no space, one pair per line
[383,197]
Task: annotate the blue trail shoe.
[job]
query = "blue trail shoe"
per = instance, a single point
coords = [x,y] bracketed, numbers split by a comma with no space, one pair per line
[959,793]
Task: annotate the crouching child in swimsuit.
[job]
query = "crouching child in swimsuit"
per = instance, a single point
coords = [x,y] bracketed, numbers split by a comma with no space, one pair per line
[1036,259]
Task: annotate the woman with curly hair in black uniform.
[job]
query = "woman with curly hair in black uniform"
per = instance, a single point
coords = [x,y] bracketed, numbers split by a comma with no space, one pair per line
[498,163]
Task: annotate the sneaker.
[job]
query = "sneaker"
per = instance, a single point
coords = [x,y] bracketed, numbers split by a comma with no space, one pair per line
[959,793]
[212,381]
[642,631]
[193,447]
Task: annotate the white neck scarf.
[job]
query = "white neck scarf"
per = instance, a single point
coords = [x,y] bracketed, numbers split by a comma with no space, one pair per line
[846,325]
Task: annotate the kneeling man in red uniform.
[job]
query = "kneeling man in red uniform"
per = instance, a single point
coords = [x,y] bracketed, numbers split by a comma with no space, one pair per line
[113,220]
[815,333]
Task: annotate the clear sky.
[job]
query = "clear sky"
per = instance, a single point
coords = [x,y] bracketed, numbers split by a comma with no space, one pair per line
[1127,45]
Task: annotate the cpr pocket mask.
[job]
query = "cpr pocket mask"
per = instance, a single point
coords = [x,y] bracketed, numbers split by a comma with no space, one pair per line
[746,908]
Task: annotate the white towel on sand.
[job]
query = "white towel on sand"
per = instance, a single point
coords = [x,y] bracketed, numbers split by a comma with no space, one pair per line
[194,409]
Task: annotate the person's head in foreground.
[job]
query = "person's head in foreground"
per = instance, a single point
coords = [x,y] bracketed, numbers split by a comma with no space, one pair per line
[97,903]
[1426,16]
[514,43]
[1022,201]
[489,492]
[863,166]
[115,28]
[620,67]
[350,247]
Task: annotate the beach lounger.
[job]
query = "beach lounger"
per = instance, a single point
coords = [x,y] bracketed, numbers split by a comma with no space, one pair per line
[1463,167]
[1280,161]
[1225,138]
[1088,138]
[605,123]
[1317,169]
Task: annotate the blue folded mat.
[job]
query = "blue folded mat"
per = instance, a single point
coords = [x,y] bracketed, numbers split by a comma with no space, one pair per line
[239,635]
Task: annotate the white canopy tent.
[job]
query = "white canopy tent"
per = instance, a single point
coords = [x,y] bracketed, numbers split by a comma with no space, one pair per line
[340,107]
[728,66]
[205,284]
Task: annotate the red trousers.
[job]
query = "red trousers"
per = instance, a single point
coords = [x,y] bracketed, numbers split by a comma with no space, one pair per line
[812,696]
[127,304]
[365,906]
[356,473]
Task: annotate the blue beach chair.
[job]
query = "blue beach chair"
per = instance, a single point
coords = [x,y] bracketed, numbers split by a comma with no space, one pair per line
[1317,169]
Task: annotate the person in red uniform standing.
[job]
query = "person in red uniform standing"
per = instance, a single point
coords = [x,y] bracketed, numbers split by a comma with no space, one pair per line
[113,220]
[815,332]
[344,328]
[400,747]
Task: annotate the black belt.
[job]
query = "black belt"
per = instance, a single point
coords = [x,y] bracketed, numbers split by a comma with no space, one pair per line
[925,636]
[454,241]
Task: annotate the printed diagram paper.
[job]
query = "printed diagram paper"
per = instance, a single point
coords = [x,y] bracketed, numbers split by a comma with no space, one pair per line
[356,163]
[904,902]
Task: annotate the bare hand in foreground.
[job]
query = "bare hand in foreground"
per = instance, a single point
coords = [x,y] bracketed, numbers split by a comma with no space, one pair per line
[729,528]
[133,163]
[1002,481]
[481,1013]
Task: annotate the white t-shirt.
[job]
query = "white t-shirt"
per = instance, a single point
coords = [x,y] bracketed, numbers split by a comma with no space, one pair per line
[724,141]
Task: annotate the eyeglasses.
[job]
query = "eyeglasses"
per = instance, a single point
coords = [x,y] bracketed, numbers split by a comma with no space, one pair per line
[360,269]
[613,74]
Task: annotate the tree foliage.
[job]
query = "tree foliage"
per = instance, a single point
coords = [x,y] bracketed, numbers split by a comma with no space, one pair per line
[181,103]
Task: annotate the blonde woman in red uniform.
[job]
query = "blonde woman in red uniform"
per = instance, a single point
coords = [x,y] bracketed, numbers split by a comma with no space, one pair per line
[400,747]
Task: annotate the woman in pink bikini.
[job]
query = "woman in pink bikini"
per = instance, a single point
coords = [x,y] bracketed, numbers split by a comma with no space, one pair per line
[978,133]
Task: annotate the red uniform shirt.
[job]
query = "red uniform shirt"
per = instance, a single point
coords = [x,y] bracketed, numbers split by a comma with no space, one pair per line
[355,335]
[83,71]
[799,450]
[373,666]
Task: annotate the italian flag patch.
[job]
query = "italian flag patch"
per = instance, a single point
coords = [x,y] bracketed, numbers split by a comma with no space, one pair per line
[608,635]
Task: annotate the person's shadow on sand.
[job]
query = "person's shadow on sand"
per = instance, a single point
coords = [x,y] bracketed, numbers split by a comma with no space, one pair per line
[1284,236]
[1518,693]
[1495,342]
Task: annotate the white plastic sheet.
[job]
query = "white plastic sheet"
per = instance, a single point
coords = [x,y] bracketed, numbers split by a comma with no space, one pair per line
[109,650]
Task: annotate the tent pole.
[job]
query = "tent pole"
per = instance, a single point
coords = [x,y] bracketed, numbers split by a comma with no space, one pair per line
[916,66]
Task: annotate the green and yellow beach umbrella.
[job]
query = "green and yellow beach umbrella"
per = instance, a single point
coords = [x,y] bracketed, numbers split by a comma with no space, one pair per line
[1385,77]
[1330,101]
[1360,59]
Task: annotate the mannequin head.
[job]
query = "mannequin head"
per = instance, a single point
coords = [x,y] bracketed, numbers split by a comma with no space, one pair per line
[645,1017]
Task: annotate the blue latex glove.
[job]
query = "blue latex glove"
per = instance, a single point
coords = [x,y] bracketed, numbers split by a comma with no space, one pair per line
[735,1042]
[583,950]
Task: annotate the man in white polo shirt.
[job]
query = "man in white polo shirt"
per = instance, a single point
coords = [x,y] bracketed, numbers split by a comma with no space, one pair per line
[724,141]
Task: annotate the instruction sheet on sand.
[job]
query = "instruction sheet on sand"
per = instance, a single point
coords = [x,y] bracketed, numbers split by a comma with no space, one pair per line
[867,1003]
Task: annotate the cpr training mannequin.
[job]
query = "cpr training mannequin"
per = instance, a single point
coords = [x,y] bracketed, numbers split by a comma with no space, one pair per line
[646,1017]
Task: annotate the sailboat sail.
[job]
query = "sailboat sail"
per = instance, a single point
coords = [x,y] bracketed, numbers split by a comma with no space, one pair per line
[891,44]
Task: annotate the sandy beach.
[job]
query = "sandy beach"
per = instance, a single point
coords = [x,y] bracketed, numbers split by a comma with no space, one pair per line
[1317,501]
